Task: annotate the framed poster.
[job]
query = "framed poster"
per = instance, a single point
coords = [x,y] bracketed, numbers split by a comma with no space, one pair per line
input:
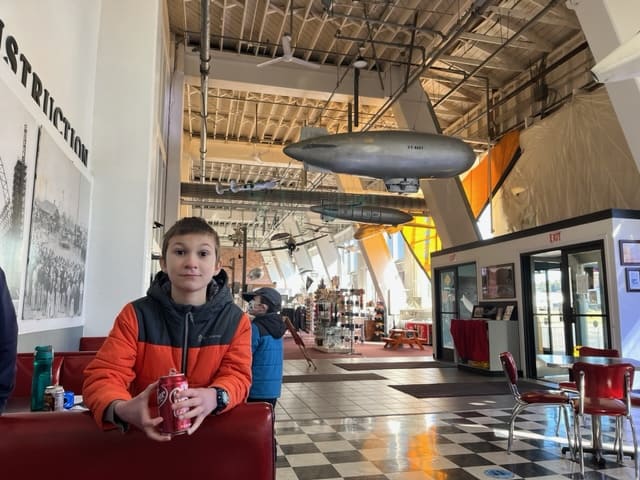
[629,252]
[498,281]
[478,312]
[633,279]
[54,287]
[18,141]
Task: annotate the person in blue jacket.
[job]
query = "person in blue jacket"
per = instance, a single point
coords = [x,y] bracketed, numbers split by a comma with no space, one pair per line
[267,330]
[8,342]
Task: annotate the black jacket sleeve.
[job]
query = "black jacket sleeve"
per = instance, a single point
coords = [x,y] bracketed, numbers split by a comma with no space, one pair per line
[8,342]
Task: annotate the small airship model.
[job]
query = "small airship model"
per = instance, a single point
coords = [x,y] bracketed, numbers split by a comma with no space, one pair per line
[235,187]
[398,157]
[362,214]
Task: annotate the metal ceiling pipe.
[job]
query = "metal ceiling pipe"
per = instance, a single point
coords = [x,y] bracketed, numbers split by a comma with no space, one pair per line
[478,9]
[387,23]
[199,192]
[204,82]
[513,37]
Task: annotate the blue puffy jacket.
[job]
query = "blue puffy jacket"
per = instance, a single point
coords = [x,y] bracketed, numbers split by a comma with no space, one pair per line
[266,345]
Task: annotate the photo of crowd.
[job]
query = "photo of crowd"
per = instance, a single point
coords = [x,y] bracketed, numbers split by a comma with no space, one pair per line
[59,233]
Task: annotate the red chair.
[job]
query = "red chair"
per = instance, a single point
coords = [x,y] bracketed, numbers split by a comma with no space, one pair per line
[536,398]
[589,352]
[604,390]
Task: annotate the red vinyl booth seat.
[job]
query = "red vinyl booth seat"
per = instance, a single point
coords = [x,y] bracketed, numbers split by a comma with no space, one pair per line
[67,369]
[238,444]
[91,344]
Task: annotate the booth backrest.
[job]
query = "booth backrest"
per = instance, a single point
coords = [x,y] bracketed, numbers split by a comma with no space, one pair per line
[238,444]
[67,371]
[91,344]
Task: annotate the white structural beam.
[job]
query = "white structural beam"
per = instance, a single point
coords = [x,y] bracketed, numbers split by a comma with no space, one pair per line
[240,72]
[606,25]
[444,196]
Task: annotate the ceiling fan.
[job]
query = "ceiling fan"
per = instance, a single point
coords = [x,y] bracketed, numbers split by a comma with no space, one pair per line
[290,243]
[287,55]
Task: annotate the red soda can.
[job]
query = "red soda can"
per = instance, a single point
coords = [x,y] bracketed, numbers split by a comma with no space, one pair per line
[168,388]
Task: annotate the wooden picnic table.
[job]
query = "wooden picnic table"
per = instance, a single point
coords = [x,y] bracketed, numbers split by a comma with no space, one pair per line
[400,336]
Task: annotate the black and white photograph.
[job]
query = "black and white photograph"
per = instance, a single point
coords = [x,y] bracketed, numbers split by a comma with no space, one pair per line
[59,233]
[18,134]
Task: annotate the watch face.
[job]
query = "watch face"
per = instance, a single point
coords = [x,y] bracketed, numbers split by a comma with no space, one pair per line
[223,397]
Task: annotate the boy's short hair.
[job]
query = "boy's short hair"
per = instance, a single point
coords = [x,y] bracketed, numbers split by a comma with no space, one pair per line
[188,225]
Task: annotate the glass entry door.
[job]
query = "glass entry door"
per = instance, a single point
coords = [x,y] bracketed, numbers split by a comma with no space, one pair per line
[568,305]
[587,309]
[547,303]
[458,293]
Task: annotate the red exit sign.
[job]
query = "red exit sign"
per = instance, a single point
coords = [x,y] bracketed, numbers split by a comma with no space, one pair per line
[554,237]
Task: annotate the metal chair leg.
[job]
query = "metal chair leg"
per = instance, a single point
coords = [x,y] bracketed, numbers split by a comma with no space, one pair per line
[635,446]
[518,407]
[578,439]
[566,427]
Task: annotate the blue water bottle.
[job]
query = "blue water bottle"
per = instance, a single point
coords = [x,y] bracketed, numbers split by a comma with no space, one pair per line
[42,373]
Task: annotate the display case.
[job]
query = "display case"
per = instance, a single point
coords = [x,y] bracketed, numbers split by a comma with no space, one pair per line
[339,319]
[354,316]
[379,321]
[328,307]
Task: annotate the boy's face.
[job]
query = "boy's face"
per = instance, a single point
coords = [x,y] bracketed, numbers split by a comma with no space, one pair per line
[190,264]
[256,307]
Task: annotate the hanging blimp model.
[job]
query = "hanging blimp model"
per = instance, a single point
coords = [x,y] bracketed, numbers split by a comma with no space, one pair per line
[398,157]
[362,214]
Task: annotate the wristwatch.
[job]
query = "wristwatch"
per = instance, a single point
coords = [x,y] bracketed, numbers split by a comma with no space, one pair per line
[222,398]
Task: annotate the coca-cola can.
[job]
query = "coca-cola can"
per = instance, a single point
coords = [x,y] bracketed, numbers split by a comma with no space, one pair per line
[168,388]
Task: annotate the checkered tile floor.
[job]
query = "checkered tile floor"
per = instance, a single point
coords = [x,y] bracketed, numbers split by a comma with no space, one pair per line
[466,440]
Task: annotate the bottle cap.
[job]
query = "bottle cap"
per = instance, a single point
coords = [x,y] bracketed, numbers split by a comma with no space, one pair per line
[44,352]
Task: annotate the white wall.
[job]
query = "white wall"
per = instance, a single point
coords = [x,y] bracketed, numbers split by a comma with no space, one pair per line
[124,150]
[627,303]
[102,63]
[62,51]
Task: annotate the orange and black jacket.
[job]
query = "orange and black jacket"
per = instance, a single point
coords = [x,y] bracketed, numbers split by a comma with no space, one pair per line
[210,343]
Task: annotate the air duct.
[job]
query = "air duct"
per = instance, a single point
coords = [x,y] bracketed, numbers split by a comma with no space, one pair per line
[204,81]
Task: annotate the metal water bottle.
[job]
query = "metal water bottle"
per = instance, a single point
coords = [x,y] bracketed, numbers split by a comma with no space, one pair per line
[42,375]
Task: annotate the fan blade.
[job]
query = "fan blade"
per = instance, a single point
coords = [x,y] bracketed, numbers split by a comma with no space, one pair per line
[280,236]
[299,61]
[269,62]
[286,46]
[311,240]
[271,249]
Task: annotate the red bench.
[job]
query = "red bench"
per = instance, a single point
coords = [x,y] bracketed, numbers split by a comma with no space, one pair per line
[238,444]
[67,371]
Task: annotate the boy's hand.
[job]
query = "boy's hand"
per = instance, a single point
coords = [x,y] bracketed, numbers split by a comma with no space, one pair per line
[200,403]
[136,412]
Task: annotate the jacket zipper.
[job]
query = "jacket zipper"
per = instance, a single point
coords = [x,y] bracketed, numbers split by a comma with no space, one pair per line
[185,341]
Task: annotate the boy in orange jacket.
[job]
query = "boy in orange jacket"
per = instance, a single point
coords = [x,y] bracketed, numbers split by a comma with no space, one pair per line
[187,322]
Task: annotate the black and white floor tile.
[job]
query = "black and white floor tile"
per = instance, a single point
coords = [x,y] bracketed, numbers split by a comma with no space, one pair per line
[368,431]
